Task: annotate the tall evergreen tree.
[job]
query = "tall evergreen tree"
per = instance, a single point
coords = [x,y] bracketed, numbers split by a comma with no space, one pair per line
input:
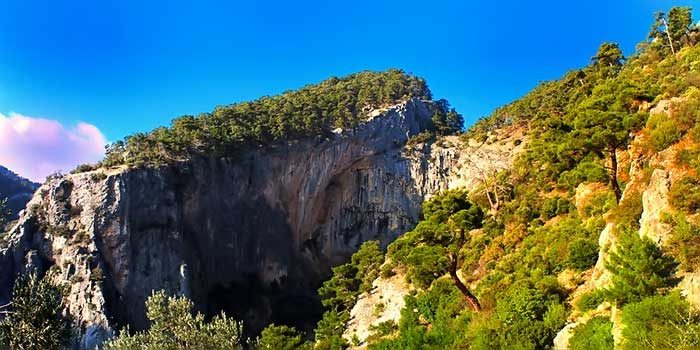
[435,246]
[639,269]
[673,30]
[605,121]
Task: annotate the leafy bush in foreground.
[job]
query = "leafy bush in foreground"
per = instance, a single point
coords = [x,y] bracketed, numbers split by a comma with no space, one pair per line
[33,320]
[174,327]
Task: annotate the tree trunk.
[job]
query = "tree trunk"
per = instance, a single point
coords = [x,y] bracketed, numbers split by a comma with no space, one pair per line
[494,204]
[613,174]
[471,299]
[668,34]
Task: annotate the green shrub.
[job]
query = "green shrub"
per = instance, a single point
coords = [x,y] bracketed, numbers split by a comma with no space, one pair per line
[687,111]
[4,214]
[384,328]
[98,176]
[551,248]
[339,292]
[33,320]
[690,157]
[420,138]
[530,317]
[350,280]
[275,337]
[628,212]
[174,327]
[684,243]
[663,132]
[583,254]
[83,168]
[685,194]
[600,203]
[587,171]
[596,334]
[387,270]
[381,330]
[590,300]
[660,322]
[436,319]
[554,206]
[330,329]
[97,275]
[368,260]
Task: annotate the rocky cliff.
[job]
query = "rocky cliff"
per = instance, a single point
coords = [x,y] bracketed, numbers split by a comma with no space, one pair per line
[450,163]
[251,236]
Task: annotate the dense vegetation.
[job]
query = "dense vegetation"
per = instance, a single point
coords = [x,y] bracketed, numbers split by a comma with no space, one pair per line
[33,319]
[313,111]
[434,247]
[532,250]
[340,292]
[175,327]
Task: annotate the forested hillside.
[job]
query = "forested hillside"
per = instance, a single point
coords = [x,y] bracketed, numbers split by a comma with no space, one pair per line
[510,278]
[313,111]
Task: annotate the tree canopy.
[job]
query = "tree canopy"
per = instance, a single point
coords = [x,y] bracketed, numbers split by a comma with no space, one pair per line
[434,247]
[312,111]
[175,327]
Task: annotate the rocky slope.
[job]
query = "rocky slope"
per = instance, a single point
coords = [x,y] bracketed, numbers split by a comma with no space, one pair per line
[451,163]
[651,175]
[252,236]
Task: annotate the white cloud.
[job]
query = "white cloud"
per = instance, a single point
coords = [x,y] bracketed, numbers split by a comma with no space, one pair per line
[37,147]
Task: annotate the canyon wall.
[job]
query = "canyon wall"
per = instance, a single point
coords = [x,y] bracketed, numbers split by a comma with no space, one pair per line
[252,236]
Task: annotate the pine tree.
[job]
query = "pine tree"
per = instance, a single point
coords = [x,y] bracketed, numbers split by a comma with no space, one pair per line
[605,121]
[434,247]
[639,269]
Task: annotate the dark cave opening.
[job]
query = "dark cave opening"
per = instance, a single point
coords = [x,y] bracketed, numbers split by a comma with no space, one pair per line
[258,306]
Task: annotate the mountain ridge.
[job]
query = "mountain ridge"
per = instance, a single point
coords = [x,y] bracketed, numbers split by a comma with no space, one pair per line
[16,189]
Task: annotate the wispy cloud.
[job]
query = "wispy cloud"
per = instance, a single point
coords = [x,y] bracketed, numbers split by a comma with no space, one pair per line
[37,147]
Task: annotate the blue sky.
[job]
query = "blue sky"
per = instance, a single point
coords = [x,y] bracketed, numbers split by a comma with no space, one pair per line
[127,66]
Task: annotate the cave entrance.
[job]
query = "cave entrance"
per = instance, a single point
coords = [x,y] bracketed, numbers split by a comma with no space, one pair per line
[258,307]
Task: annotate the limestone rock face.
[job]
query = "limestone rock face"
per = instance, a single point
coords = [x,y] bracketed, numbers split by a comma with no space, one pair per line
[382,304]
[251,236]
[449,164]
